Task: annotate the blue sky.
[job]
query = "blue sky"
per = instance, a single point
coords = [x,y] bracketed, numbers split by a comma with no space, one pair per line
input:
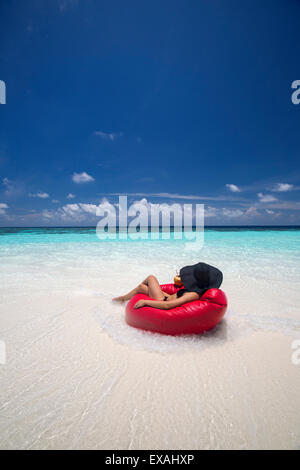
[166,101]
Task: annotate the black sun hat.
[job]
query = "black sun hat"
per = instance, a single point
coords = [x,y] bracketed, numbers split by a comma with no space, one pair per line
[200,277]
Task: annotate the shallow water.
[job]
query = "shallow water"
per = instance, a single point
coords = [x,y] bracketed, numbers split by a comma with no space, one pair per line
[260,266]
[71,358]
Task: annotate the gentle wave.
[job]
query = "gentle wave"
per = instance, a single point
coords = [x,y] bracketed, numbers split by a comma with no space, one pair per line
[234,326]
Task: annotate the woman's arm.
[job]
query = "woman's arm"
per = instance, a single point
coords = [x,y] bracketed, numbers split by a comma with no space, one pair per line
[166,305]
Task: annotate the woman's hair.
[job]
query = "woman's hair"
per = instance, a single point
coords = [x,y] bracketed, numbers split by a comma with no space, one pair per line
[180,292]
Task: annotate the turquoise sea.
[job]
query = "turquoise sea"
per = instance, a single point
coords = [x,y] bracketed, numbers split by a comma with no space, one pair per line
[266,259]
[261,268]
[266,251]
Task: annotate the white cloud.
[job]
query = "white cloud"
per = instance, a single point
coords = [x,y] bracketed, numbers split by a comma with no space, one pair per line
[48,214]
[82,177]
[282,187]
[252,211]
[12,188]
[285,205]
[210,211]
[233,188]
[273,213]
[86,213]
[77,211]
[109,135]
[179,196]
[70,196]
[3,208]
[70,210]
[6,182]
[55,201]
[231,213]
[39,194]
[266,197]
[89,208]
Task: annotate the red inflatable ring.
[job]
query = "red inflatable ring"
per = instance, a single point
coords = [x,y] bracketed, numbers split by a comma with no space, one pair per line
[190,318]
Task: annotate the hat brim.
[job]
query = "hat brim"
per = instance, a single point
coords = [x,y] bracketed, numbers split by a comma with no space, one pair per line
[190,282]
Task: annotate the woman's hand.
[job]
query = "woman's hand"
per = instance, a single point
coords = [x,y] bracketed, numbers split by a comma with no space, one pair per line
[140,303]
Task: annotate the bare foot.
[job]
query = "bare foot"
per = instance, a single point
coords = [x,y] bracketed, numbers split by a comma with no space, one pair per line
[120,299]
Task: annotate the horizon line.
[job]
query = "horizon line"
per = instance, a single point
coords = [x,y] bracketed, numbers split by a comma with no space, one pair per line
[149,226]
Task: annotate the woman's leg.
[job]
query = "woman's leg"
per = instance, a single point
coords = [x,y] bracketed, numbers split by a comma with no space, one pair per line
[150,286]
[140,289]
[154,290]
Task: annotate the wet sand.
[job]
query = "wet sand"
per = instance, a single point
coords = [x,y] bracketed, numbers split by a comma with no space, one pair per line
[67,384]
